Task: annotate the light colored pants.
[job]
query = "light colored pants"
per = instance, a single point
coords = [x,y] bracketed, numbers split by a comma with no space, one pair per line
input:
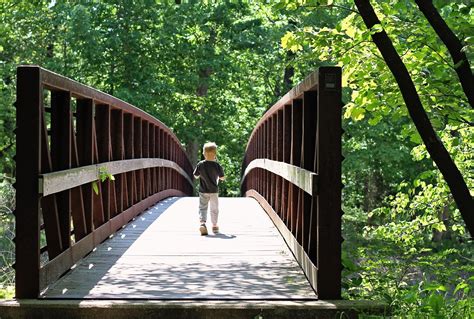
[204,200]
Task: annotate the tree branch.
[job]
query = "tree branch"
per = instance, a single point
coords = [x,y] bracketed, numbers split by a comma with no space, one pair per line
[454,45]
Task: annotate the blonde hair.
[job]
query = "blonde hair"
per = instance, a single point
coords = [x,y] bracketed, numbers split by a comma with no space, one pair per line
[209,147]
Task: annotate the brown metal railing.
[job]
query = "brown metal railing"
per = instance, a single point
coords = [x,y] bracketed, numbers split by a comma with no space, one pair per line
[292,166]
[68,135]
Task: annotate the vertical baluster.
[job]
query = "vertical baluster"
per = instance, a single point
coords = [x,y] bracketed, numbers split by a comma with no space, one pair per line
[166,156]
[279,157]
[146,154]
[160,155]
[157,155]
[296,123]
[49,207]
[102,123]
[151,129]
[285,207]
[138,154]
[129,138]
[307,158]
[271,142]
[267,155]
[99,217]
[261,173]
[118,153]
[159,142]
[61,157]
[84,122]
[77,204]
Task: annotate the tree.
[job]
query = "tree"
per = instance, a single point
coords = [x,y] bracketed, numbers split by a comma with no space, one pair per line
[454,45]
[435,147]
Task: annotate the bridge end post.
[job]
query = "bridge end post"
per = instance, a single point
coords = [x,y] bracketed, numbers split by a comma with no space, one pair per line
[328,164]
[27,213]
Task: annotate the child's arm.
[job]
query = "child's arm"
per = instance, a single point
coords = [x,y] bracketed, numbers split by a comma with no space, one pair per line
[222,178]
[196,172]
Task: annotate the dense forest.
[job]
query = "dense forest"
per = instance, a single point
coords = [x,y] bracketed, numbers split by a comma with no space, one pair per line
[210,69]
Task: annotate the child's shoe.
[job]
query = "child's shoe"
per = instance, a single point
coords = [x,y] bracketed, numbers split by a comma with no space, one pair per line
[203,230]
[215,229]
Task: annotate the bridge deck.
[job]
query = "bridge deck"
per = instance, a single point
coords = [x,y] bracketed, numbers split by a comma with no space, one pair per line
[161,255]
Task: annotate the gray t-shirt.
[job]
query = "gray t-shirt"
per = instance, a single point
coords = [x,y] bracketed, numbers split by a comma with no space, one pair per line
[208,172]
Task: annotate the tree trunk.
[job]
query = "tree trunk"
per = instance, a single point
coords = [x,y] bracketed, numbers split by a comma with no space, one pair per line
[454,45]
[192,146]
[192,150]
[443,215]
[433,144]
[289,74]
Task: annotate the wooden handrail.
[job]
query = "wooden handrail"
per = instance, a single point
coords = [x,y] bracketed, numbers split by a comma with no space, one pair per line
[292,167]
[303,179]
[66,133]
[55,182]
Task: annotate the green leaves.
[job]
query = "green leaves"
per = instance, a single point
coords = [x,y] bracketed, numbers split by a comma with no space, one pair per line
[103,175]
[353,111]
[290,42]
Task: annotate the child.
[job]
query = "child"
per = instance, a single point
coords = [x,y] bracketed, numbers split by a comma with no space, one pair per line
[209,173]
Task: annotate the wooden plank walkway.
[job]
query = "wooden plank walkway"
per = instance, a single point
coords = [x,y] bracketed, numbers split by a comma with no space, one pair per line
[161,255]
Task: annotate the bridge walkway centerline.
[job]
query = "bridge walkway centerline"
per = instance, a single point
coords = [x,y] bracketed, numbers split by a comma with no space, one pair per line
[161,255]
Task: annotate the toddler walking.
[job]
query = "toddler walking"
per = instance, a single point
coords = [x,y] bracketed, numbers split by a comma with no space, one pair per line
[209,173]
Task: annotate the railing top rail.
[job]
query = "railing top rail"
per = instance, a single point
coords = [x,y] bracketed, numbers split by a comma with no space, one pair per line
[55,81]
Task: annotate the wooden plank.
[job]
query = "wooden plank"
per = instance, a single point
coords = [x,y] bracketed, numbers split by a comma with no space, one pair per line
[27,239]
[161,255]
[50,272]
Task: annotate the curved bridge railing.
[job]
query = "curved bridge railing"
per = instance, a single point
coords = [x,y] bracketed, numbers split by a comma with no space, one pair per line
[292,167]
[70,138]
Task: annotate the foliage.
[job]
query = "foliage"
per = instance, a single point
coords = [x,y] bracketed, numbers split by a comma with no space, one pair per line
[210,69]
[103,175]
[7,205]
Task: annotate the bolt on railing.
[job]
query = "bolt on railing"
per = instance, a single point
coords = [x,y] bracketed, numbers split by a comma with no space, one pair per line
[68,136]
[292,166]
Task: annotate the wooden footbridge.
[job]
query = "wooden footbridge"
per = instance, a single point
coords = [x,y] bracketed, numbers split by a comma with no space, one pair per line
[88,245]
